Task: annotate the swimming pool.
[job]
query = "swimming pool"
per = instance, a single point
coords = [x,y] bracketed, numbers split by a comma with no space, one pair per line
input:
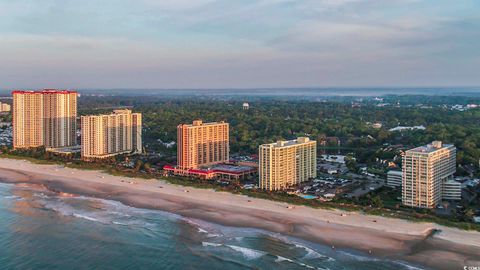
[308,197]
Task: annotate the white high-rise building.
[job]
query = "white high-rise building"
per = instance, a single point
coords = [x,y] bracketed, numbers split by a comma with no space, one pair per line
[287,163]
[425,169]
[111,134]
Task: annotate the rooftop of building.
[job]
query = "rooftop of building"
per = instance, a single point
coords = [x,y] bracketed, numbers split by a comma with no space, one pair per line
[218,168]
[44,91]
[198,123]
[115,112]
[297,141]
[430,148]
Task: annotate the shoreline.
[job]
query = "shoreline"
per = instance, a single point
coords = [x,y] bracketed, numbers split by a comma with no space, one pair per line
[384,237]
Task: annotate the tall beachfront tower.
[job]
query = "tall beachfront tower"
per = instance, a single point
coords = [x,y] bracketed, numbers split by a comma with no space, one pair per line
[44,118]
[425,169]
[112,134]
[202,144]
[287,163]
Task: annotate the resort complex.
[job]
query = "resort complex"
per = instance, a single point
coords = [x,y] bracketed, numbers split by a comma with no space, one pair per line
[203,151]
[202,144]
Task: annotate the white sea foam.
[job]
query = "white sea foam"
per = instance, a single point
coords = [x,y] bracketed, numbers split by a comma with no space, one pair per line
[410,267]
[312,254]
[208,244]
[13,197]
[282,259]
[119,223]
[87,217]
[248,253]
[359,257]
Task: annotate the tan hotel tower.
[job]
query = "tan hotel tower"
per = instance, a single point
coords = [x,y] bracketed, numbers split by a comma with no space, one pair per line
[202,144]
[287,163]
[44,118]
[111,134]
[426,169]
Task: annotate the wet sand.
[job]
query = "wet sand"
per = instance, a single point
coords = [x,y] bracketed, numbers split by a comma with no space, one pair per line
[383,237]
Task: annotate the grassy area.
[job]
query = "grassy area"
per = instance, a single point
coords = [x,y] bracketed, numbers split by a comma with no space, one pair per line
[390,206]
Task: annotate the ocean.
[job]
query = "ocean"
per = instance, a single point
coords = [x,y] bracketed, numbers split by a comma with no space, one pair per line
[41,230]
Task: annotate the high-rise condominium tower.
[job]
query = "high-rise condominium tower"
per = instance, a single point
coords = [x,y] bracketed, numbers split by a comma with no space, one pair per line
[202,144]
[287,163]
[111,134]
[425,169]
[44,118]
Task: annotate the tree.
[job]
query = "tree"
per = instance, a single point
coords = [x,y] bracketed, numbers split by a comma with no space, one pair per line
[138,165]
[377,202]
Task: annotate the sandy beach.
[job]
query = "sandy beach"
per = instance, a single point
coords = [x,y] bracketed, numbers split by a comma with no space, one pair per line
[383,237]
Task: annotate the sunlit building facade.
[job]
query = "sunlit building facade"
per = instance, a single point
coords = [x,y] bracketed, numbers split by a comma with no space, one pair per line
[425,169]
[44,118]
[287,163]
[202,144]
[112,134]
[4,107]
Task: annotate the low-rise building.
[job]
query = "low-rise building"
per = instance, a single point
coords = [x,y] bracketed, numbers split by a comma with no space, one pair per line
[4,107]
[217,171]
[451,190]
[394,179]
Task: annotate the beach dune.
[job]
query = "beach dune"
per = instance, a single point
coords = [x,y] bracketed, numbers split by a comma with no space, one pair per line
[384,237]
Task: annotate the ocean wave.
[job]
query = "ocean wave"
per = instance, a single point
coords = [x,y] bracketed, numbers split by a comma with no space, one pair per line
[283,259]
[209,244]
[120,223]
[87,217]
[312,254]
[108,213]
[357,257]
[367,258]
[248,253]
[200,230]
[408,266]
[13,197]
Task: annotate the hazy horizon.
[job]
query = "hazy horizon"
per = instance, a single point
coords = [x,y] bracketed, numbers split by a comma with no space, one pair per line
[238,44]
[319,92]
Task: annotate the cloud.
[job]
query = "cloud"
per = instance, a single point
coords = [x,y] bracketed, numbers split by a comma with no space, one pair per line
[238,43]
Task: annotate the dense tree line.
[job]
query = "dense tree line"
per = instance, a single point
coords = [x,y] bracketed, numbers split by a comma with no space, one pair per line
[269,120]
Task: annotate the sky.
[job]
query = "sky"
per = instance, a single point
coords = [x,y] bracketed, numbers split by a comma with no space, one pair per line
[238,43]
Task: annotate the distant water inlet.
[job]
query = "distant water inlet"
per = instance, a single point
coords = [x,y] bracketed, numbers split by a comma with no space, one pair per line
[41,230]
